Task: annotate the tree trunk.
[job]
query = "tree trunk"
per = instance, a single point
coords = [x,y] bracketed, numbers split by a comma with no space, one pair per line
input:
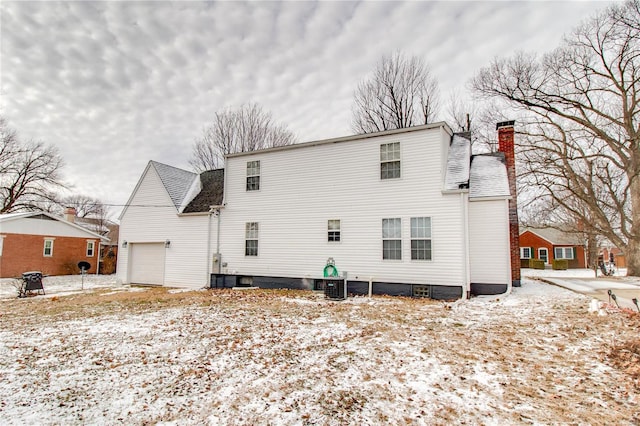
[632,255]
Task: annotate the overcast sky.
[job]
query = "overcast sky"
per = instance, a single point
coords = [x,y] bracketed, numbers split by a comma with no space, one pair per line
[116,84]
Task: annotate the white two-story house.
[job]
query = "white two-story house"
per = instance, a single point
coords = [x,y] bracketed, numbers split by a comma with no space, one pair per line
[404,212]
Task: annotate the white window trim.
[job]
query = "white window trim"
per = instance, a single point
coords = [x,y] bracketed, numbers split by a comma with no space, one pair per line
[540,256]
[399,160]
[338,231]
[564,253]
[2,237]
[44,248]
[522,249]
[430,239]
[257,239]
[391,239]
[253,175]
[93,248]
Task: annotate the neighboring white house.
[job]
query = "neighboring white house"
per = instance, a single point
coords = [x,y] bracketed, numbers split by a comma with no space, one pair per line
[410,211]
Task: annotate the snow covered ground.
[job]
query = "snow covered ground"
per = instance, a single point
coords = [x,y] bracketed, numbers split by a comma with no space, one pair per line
[112,354]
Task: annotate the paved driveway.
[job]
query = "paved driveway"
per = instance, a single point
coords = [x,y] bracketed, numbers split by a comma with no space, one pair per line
[624,290]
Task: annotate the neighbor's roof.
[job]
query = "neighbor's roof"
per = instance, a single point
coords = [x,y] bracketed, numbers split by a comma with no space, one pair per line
[458,163]
[176,181]
[6,217]
[555,236]
[211,194]
[488,176]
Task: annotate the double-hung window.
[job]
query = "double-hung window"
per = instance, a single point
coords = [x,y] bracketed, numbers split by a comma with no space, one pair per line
[251,239]
[525,252]
[333,230]
[390,160]
[48,247]
[420,238]
[392,239]
[253,175]
[563,252]
[90,248]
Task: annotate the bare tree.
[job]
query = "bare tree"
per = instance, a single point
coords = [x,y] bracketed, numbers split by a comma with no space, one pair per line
[580,144]
[248,128]
[29,172]
[400,93]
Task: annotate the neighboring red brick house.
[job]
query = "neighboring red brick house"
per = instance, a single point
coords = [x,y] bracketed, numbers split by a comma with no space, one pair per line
[549,244]
[40,241]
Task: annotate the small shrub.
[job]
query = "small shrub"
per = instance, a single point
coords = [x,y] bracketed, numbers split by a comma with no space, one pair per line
[536,264]
[560,264]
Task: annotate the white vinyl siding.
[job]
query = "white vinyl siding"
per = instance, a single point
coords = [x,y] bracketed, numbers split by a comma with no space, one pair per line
[305,190]
[489,253]
[190,258]
[563,253]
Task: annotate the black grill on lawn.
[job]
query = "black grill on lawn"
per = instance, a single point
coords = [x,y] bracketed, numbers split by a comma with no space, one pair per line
[31,283]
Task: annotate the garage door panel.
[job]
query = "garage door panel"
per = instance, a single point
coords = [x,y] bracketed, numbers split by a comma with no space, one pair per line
[147,263]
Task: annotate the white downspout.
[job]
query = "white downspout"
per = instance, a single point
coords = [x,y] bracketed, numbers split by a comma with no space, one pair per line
[208,257]
[465,238]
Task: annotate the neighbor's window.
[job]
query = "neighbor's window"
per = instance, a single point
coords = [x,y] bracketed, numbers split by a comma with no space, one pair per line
[90,248]
[563,252]
[1,243]
[251,239]
[48,247]
[333,229]
[420,238]
[392,239]
[390,160]
[525,252]
[253,175]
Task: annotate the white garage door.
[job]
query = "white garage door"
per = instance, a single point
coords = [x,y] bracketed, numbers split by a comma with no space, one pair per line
[147,263]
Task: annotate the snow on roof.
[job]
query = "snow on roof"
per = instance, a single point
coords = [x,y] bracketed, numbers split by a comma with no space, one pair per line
[488,176]
[458,159]
[176,181]
[556,236]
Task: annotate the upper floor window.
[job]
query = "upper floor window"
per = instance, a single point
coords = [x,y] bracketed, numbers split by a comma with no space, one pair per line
[392,239]
[525,252]
[48,247]
[90,248]
[251,239]
[390,160]
[253,175]
[333,229]
[563,252]
[420,238]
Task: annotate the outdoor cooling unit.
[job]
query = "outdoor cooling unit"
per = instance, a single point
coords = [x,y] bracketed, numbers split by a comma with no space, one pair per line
[335,288]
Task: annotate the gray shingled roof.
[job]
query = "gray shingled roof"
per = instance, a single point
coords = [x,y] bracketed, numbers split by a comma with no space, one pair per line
[556,236]
[176,181]
[212,192]
[458,159]
[488,176]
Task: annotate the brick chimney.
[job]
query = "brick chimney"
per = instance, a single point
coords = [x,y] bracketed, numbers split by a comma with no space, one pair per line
[506,146]
[70,214]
